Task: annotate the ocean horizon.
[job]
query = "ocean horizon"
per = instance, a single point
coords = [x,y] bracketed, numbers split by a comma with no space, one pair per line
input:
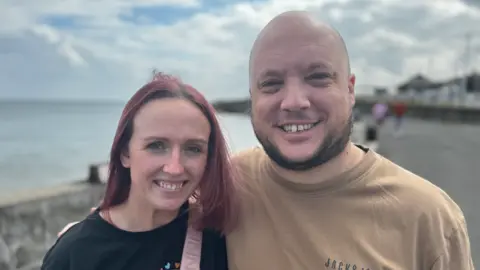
[50,142]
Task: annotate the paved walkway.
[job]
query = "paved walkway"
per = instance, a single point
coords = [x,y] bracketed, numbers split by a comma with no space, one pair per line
[448,156]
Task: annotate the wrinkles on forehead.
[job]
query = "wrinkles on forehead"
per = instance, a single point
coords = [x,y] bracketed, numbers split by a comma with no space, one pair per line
[298,29]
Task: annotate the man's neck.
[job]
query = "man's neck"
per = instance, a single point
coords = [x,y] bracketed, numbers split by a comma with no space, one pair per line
[137,217]
[346,160]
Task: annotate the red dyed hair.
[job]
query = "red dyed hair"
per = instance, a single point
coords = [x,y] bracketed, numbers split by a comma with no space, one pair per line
[214,195]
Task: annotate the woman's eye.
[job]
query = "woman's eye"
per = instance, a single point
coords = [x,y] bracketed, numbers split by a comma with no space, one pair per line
[194,149]
[156,146]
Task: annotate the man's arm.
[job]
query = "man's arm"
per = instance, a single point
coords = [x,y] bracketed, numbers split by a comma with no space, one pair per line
[456,253]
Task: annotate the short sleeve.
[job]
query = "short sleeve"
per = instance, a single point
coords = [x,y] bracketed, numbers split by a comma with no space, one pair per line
[456,253]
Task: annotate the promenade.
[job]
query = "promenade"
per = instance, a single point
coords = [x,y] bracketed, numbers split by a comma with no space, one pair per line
[448,156]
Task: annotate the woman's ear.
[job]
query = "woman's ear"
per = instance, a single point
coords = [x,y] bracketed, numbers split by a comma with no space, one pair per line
[125,158]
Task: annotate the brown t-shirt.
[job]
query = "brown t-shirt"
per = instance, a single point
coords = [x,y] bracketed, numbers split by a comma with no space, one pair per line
[376,216]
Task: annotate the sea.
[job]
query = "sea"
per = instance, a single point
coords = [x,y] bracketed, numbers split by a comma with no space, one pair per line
[47,143]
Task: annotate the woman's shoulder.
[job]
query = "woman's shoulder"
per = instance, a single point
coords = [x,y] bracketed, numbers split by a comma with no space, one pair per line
[214,241]
[214,250]
[76,238]
[213,234]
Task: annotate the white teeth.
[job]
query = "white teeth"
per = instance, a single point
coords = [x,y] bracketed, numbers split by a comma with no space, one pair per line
[297,128]
[169,185]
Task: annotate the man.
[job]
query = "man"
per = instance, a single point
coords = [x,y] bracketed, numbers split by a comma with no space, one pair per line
[311,199]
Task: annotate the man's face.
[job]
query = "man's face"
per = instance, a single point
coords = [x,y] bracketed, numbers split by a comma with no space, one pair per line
[302,98]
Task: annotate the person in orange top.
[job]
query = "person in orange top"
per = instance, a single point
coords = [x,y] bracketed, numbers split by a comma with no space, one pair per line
[399,109]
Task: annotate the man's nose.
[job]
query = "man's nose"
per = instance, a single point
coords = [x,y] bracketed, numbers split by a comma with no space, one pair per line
[295,98]
[174,164]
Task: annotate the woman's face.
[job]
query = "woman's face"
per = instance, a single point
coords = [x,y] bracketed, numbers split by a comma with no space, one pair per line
[167,153]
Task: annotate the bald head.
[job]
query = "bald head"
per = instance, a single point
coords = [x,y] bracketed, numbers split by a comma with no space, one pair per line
[302,91]
[293,25]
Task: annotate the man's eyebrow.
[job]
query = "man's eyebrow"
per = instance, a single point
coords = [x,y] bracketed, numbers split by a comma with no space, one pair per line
[319,65]
[324,67]
[270,73]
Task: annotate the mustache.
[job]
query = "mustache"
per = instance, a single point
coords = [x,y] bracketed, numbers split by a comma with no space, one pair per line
[296,115]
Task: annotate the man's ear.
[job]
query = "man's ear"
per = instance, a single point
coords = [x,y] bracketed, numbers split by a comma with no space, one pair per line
[351,89]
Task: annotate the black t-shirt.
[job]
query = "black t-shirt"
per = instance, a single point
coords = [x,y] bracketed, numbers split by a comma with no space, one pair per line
[94,244]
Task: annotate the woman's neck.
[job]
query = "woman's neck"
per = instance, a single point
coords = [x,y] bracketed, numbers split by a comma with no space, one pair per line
[134,217]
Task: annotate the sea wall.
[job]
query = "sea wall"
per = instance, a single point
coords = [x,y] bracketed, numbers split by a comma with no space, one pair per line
[30,220]
[443,113]
[364,105]
[233,106]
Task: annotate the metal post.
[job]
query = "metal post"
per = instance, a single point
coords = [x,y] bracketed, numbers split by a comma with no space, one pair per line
[93,175]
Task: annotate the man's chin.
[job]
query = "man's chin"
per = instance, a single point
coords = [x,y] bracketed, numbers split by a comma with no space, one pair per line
[303,157]
[294,157]
[298,153]
[308,154]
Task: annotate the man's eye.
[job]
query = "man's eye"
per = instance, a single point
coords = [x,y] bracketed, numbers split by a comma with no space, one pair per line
[318,76]
[271,83]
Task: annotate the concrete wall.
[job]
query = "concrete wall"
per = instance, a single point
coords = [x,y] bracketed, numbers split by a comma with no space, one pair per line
[233,106]
[364,105]
[445,113]
[30,221]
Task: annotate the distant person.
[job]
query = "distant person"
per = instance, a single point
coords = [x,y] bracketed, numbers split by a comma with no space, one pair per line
[399,108]
[168,148]
[379,113]
[312,199]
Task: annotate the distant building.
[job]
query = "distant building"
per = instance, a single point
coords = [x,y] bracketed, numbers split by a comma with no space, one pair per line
[473,83]
[415,85]
[465,90]
[421,89]
[380,91]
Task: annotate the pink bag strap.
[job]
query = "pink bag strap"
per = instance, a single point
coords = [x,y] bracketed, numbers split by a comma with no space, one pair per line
[192,250]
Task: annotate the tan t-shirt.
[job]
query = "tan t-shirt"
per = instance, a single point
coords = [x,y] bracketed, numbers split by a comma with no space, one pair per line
[376,216]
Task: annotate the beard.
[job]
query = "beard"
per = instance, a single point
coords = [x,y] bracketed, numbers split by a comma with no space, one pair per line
[332,146]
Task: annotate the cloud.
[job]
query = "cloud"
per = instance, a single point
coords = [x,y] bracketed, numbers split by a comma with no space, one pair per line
[86,49]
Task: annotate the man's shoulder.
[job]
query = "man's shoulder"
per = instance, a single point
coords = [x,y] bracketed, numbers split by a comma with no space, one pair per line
[248,166]
[429,212]
[248,153]
[419,196]
[248,158]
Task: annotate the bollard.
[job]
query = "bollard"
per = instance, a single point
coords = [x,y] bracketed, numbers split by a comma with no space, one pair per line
[371,134]
[93,175]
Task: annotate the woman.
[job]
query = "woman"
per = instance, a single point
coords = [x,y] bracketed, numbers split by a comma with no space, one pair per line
[168,175]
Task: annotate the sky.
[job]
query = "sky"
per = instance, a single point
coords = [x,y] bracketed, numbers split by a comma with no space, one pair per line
[106,49]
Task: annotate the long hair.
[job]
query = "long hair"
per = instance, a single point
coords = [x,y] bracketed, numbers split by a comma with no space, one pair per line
[215,194]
